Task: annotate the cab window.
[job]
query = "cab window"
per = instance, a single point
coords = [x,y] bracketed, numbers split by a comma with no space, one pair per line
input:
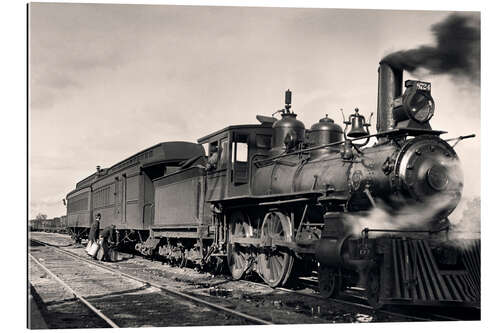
[240,159]
[240,152]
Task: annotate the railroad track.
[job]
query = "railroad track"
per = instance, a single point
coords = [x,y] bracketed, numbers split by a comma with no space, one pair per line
[355,301]
[240,318]
[349,300]
[77,295]
[358,305]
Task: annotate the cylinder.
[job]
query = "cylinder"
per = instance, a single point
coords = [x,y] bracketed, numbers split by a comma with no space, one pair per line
[390,86]
[329,251]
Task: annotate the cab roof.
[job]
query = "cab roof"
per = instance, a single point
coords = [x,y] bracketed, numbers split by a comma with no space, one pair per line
[208,137]
[164,152]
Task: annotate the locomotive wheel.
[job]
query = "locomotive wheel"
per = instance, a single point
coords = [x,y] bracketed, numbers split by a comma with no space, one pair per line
[328,282]
[275,266]
[373,289]
[237,259]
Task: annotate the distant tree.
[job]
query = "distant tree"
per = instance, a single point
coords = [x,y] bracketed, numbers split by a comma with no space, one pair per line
[41,217]
[38,222]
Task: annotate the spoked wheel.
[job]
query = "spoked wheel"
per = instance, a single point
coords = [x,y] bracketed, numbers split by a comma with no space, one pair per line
[373,289]
[275,265]
[328,281]
[238,259]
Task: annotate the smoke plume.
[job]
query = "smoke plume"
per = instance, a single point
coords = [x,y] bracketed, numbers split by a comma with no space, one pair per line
[456,52]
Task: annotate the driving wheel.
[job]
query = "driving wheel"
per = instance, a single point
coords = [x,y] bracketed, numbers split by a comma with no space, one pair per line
[275,263]
[238,258]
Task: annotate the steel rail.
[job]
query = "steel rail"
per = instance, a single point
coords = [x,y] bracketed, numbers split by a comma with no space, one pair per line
[344,302]
[431,317]
[359,305]
[163,288]
[364,306]
[75,294]
[400,314]
[335,300]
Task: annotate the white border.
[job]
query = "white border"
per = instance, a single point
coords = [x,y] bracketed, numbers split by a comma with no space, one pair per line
[13,166]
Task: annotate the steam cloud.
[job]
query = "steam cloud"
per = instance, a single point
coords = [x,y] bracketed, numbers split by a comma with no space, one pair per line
[457,51]
[469,224]
[462,233]
[415,217]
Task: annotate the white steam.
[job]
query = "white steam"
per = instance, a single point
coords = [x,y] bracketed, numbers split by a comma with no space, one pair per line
[466,220]
[411,217]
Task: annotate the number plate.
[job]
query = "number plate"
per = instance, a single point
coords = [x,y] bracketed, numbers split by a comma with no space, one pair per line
[424,86]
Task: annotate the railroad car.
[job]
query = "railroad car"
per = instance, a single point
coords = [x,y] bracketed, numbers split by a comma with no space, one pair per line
[279,200]
[78,209]
[123,193]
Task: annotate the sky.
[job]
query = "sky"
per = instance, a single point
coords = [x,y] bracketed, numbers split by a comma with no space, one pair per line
[109,80]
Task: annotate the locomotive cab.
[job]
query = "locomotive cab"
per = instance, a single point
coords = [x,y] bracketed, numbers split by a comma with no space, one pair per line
[232,151]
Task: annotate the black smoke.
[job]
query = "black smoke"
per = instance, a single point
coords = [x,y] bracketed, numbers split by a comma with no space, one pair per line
[457,51]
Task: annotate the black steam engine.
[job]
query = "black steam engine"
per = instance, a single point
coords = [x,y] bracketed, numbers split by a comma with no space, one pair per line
[282,201]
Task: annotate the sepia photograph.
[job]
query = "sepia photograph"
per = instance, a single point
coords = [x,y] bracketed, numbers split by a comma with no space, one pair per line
[203,165]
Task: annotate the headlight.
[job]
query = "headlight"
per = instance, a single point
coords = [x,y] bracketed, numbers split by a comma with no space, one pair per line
[415,105]
[420,106]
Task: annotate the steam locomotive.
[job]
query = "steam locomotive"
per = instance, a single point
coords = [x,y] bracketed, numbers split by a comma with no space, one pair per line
[281,200]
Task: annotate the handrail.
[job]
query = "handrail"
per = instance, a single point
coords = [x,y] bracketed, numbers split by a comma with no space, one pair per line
[394,131]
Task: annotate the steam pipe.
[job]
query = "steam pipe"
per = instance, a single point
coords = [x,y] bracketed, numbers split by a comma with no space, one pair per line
[365,231]
[390,86]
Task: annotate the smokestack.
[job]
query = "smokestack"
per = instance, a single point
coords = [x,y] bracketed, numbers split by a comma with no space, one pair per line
[390,86]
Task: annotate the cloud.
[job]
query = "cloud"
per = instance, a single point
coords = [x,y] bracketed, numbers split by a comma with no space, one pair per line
[74,45]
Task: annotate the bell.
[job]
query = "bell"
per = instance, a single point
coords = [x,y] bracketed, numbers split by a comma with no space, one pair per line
[357,125]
